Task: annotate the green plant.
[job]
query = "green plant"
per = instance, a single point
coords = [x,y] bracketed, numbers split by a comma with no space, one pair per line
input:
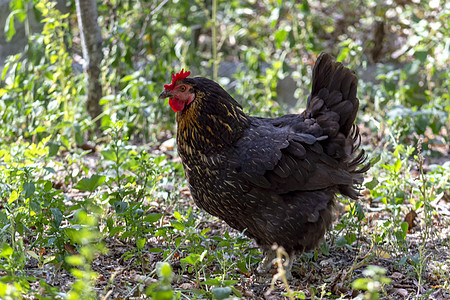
[40,83]
[162,290]
[392,190]
[372,284]
[87,236]
[350,224]
[131,177]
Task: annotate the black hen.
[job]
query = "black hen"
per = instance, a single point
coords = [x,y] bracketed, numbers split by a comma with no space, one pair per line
[276,178]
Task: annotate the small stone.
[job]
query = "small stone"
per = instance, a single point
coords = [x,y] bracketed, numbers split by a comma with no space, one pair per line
[402,292]
[187,286]
[168,145]
[327,262]
[396,275]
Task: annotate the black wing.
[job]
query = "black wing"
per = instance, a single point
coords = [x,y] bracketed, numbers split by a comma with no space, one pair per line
[278,159]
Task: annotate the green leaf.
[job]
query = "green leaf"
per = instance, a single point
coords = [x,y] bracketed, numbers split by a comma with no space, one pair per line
[65,141]
[109,155]
[36,207]
[404,227]
[5,70]
[324,248]
[79,137]
[155,250]
[397,165]
[421,55]
[49,259]
[191,259]
[177,215]
[178,226]
[106,120]
[13,197]
[138,213]
[204,231]
[50,170]
[29,189]
[343,54]
[107,99]
[242,266]
[351,238]
[114,230]
[120,207]
[75,260]
[341,242]
[305,7]
[360,284]
[374,160]
[10,30]
[211,281]
[372,184]
[229,282]
[224,244]
[32,254]
[280,37]
[140,243]
[7,251]
[164,270]
[221,292]
[297,295]
[90,184]
[57,216]
[359,212]
[37,14]
[152,217]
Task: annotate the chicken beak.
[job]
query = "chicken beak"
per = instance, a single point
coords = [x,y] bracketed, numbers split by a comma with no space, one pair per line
[165,94]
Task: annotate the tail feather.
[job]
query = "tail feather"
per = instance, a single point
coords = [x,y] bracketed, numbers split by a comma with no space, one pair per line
[333,104]
[336,86]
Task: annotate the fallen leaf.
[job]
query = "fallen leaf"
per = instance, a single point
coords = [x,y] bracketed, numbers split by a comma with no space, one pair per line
[70,248]
[382,254]
[187,286]
[88,146]
[410,218]
[185,192]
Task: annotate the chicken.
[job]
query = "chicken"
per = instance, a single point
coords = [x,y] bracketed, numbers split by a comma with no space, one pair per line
[275,178]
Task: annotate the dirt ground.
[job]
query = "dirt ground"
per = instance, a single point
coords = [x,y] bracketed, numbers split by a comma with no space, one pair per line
[327,277]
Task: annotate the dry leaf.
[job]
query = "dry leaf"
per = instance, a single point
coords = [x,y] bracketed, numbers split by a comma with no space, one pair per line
[70,248]
[185,192]
[187,286]
[410,218]
[382,254]
[88,146]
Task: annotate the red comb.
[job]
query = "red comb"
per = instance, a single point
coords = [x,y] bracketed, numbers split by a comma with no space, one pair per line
[175,77]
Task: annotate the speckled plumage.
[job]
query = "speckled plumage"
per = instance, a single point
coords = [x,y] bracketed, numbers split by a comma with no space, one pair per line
[276,178]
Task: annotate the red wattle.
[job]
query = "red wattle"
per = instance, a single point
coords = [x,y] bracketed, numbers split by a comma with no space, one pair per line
[176,104]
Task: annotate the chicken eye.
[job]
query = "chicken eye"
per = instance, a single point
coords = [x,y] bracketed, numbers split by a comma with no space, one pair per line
[182,88]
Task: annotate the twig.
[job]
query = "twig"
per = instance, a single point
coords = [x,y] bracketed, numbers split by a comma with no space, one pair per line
[158,7]
[281,272]
[357,265]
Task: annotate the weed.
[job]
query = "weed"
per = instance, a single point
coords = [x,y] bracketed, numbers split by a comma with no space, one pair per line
[373,283]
